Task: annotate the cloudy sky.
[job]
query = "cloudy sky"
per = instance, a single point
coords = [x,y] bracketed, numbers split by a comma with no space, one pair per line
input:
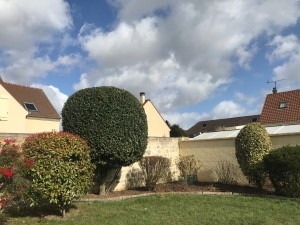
[195,59]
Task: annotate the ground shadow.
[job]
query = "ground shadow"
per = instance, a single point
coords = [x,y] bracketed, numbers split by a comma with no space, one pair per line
[23,210]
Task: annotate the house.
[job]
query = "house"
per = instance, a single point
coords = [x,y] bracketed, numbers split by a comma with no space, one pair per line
[221,124]
[157,126]
[26,110]
[281,108]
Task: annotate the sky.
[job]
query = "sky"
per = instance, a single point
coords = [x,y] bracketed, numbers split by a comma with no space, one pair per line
[195,59]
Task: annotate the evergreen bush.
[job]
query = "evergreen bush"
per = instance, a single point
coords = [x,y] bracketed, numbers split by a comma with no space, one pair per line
[62,171]
[114,124]
[283,166]
[252,144]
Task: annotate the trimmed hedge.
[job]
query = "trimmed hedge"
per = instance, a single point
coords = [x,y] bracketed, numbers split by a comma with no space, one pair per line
[252,144]
[112,121]
[283,166]
[62,169]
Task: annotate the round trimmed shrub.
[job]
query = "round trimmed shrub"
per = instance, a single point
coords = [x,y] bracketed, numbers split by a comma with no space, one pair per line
[112,121]
[62,168]
[283,166]
[252,144]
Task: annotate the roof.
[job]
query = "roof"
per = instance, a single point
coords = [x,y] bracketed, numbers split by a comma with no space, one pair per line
[219,124]
[273,114]
[32,95]
[273,130]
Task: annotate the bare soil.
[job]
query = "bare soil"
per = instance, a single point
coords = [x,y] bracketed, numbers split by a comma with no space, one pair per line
[178,186]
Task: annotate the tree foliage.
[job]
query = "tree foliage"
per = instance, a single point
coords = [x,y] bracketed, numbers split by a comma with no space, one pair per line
[177,131]
[283,167]
[62,169]
[252,144]
[111,120]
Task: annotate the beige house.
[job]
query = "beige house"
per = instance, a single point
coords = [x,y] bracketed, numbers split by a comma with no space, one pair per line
[157,126]
[26,110]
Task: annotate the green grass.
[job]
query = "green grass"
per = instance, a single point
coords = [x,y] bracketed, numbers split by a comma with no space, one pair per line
[175,209]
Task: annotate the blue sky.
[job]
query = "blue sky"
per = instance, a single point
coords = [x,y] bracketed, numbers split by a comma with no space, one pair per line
[196,60]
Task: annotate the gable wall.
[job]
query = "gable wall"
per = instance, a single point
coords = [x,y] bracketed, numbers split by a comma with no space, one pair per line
[156,125]
[15,121]
[35,125]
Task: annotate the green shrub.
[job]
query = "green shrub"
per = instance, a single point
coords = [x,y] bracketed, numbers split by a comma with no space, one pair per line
[283,166]
[188,166]
[62,169]
[112,121]
[13,170]
[154,169]
[252,144]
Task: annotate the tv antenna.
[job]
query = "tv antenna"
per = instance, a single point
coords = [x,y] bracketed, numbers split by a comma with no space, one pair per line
[275,84]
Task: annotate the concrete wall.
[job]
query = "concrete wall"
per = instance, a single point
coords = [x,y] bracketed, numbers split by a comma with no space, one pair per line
[210,152]
[166,147]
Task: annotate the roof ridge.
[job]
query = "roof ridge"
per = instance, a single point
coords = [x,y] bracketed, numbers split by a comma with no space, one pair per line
[22,86]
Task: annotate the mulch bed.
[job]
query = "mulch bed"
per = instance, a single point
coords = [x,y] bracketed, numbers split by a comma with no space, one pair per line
[181,187]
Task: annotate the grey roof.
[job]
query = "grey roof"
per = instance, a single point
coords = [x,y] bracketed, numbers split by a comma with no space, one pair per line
[276,130]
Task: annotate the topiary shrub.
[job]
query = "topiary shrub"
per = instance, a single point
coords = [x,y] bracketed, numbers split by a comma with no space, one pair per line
[114,124]
[283,166]
[154,168]
[252,144]
[62,170]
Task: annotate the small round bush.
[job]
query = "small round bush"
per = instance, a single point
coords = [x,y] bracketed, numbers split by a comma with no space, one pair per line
[252,144]
[112,121]
[62,169]
[283,166]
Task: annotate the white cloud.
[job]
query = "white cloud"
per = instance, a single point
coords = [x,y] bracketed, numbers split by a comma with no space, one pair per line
[25,23]
[180,52]
[26,69]
[245,99]
[286,48]
[227,109]
[30,31]
[56,97]
[186,120]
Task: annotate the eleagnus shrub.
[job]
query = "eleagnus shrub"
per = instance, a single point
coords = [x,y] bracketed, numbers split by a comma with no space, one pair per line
[62,170]
[283,166]
[188,166]
[154,169]
[13,170]
[227,172]
[252,144]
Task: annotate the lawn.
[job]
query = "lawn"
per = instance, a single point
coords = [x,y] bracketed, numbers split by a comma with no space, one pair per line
[174,209]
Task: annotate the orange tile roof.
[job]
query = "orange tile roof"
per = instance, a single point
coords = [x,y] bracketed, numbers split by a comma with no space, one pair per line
[32,95]
[273,114]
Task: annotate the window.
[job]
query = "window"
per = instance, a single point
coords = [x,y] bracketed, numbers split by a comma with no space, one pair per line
[30,107]
[254,120]
[204,125]
[282,105]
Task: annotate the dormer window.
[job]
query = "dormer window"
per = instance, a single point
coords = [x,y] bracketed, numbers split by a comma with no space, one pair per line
[204,125]
[30,107]
[282,105]
[254,120]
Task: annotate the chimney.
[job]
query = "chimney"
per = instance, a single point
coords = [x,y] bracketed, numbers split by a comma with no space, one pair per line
[274,90]
[142,97]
